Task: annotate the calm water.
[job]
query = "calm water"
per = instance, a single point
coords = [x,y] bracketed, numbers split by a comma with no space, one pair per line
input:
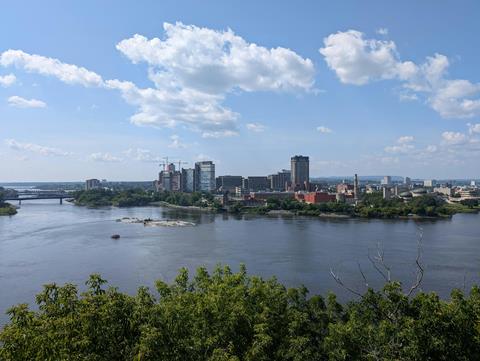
[46,242]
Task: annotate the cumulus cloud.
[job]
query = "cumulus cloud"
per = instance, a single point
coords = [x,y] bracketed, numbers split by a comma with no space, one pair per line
[454,138]
[104,158]
[358,61]
[193,69]
[162,108]
[382,31]
[35,148]
[324,130]
[142,155]
[404,145]
[218,61]
[19,102]
[255,127]
[473,128]
[176,142]
[68,73]
[7,80]
[405,139]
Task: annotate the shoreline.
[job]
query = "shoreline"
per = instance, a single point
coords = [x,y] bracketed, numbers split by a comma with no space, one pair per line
[185,208]
[289,213]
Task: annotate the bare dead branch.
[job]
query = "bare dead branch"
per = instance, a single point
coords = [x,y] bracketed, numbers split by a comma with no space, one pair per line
[374,264]
[420,269]
[340,282]
[381,260]
[363,275]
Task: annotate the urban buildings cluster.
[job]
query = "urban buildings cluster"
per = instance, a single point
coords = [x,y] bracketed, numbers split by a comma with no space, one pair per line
[410,189]
[295,183]
[202,178]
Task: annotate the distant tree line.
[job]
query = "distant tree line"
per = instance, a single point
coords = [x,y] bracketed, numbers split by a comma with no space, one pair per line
[6,209]
[370,206]
[141,197]
[227,316]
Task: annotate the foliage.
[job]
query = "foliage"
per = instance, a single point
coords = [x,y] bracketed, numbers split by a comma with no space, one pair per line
[374,206]
[140,197]
[233,316]
[6,209]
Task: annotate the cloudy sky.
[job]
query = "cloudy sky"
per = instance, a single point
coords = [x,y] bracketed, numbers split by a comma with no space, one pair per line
[108,89]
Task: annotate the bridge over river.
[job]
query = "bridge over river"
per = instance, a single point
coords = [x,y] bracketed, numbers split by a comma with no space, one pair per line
[33,195]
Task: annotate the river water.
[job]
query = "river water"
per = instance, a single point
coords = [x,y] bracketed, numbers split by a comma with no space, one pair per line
[47,242]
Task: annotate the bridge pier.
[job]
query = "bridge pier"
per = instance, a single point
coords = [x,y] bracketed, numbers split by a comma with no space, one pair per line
[61,200]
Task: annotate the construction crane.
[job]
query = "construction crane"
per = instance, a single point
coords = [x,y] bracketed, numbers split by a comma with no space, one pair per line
[180,164]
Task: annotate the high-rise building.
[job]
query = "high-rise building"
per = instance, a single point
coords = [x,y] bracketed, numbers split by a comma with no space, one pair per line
[386,181]
[256,184]
[300,172]
[169,179]
[188,180]
[429,183]
[407,181]
[205,176]
[229,182]
[279,181]
[92,184]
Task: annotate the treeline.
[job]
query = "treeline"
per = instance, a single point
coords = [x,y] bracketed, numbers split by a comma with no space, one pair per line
[141,197]
[226,316]
[106,197]
[6,209]
[370,206]
[374,206]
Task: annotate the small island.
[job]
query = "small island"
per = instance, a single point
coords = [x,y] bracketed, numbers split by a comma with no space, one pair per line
[6,209]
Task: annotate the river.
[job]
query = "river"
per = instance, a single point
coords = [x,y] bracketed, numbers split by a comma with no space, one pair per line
[47,242]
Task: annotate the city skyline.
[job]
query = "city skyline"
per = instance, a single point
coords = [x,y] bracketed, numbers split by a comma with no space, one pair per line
[358,91]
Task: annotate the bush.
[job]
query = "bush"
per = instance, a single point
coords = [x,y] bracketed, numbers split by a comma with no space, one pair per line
[233,316]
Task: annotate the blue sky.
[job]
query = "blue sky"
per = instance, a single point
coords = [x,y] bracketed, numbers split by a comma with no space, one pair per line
[107,89]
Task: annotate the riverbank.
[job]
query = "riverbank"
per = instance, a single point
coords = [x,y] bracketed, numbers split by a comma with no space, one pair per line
[7,210]
[186,208]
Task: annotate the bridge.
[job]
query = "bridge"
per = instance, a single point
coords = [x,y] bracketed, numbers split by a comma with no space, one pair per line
[33,195]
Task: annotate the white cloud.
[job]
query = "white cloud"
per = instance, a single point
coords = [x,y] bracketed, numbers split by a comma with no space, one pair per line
[473,128]
[431,148]
[35,148]
[104,158]
[324,130]
[219,134]
[403,145]
[382,31]
[193,69]
[19,102]
[454,138]
[7,80]
[68,73]
[358,61]
[176,143]
[255,127]
[402,148]
[163,108]
[405,139]
[215,62]
[142,155]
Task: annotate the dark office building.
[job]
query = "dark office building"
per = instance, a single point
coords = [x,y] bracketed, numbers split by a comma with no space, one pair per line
[229,182]
[256,184]
[300,172]
[278,182]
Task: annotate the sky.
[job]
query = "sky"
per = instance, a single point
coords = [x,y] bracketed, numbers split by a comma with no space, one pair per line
[109,89]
